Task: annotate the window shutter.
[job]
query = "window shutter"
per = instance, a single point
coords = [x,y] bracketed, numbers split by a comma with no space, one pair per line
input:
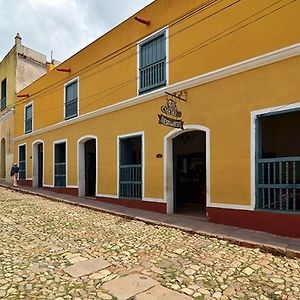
[152,73]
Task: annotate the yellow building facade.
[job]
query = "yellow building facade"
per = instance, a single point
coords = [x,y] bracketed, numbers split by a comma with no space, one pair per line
[186,107]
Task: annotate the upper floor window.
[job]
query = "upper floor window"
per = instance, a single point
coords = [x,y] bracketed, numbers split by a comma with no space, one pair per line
[152,63]
[28,118]
[71,99]
[3,94]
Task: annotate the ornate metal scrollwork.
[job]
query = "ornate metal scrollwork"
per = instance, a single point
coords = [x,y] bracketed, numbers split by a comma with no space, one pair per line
[171,109]
[170,122]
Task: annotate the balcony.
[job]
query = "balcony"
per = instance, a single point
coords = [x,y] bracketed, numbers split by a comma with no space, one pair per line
[28,125]
[153,76]
[71,109]
[278,186]
[131,181]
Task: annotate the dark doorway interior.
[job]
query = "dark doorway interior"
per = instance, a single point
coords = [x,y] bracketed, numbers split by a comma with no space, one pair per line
[279,135]
[40,165]
[90,167]
[189,161]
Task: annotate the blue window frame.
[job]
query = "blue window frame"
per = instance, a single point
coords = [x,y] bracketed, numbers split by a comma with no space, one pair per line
[28,118]
[71,100]
[152,66]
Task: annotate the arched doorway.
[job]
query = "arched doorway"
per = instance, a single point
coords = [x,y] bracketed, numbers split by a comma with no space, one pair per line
[87,166]
[3,159]
[187,182]
[38,164]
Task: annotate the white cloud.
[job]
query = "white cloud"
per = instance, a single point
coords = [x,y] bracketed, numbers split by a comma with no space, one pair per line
[64,26]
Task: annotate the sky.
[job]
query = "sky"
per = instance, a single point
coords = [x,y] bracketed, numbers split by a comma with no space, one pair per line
[64,26]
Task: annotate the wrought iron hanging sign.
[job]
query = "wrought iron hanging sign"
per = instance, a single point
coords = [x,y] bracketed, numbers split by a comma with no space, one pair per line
[171,116]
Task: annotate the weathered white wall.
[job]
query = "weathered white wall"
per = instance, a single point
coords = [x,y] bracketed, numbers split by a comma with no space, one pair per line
[30,66]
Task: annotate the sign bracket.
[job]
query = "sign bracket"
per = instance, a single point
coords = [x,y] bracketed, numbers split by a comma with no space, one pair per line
[175,96]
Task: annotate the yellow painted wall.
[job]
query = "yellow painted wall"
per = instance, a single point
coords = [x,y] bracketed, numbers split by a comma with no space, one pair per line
[108,76]
[8,70]
[224,105]
[6,133]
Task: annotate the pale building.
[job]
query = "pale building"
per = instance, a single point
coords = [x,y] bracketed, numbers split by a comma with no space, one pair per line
[20,67]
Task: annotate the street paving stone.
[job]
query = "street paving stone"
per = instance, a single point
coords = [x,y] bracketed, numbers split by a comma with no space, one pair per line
[39,239]
[87,267]
[161,293]
[128,286]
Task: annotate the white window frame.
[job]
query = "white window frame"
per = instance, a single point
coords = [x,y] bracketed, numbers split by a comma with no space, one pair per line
[32,122]
[65,97]
[81,164]
[53,162]
[34,153]
[254,115]
[130,135]
[20,145]
[139,43]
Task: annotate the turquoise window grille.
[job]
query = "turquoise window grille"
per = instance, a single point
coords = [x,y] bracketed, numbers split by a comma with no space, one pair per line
[278,161]
[278,186]
[130,171]
[71,100]
[152,67]
[28,118]
[60,165]
[22,162]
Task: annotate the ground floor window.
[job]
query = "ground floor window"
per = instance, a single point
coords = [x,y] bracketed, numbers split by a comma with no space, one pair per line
[130,171]
[22,162]
[278,161]
[60,164]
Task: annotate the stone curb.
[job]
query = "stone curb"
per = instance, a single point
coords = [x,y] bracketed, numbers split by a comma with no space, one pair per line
[244,243]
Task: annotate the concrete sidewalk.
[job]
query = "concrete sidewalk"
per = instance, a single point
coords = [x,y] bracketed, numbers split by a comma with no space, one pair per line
[267,242]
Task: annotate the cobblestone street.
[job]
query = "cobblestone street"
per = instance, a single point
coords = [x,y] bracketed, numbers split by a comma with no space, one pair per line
[41,238]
